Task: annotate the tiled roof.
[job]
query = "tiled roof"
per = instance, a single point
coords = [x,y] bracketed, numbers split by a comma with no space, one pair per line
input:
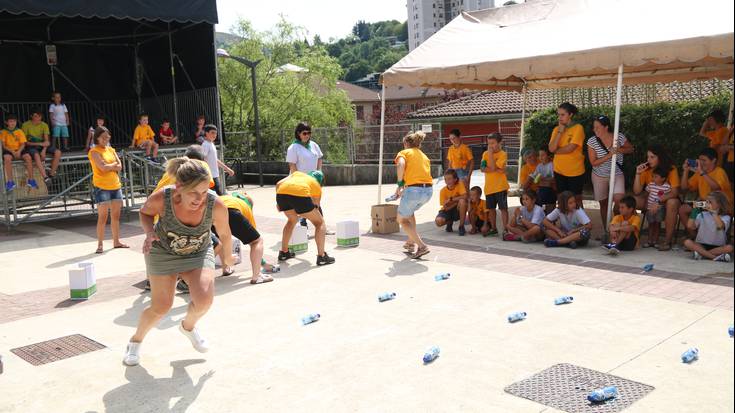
[490,103]
[358,93]
[362,94]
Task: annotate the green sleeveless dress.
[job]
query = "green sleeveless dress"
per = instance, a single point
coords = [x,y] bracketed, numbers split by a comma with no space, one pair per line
[181,248]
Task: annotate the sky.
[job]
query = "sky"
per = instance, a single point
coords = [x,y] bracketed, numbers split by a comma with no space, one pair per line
[327,18]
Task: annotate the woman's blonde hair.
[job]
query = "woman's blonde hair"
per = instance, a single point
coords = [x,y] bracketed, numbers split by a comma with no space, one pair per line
[722,201]
[414,139]
[188,172]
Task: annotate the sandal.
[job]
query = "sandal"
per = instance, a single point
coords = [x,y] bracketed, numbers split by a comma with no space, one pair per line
[99,250]
[262,279]
[420,253]
[664,247]
[121,245]
[408,248]
[227,271]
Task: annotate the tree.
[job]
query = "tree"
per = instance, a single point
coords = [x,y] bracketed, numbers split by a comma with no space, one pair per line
[361,30]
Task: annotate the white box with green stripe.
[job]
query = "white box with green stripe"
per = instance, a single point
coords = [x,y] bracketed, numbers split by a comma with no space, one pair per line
[299,242]
[348,233]
[82,281]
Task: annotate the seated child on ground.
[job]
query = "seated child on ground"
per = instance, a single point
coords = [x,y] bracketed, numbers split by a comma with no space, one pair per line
[525,225]
[655,208]
[143,138]
[477,212]
[712,224]
[453,201]
[567,225]
[624,228]
[166,134]
[544,175]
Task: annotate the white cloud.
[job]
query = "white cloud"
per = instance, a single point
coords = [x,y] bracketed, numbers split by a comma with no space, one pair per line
[327,18]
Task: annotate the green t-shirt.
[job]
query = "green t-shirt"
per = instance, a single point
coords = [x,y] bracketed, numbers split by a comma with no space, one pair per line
[35,133]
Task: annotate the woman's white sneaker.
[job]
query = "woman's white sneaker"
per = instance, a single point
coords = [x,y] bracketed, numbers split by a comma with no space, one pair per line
[132,354]
[200,344]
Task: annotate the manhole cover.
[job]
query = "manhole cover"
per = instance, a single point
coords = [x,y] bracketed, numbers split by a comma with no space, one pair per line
[56,349]
[566,386]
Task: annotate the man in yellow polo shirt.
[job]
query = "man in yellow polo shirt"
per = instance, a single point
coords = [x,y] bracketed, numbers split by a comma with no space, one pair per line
[13,142]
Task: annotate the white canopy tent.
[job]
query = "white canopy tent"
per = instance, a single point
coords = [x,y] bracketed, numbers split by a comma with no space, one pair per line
[573,43]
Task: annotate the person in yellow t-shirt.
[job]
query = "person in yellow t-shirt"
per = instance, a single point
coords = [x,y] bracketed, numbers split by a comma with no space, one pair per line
[493,164]
[715,130]
[192,152]
[727,153]
[143,138]
[567,142]
[530,162]
[38,145]
[459,158]
[707,177]
[477,212]
[13,142]
[298,195]
[624,228]
[453,201]
[107,187]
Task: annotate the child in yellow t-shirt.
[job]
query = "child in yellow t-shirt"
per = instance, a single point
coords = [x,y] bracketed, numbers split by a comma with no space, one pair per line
[453,201]
[624,228]
[13,142]
[477,211]
[143,138]
[493,164]
[530,161]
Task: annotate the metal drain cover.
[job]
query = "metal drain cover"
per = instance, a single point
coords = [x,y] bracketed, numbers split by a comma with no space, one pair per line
[56,349]
[566,386]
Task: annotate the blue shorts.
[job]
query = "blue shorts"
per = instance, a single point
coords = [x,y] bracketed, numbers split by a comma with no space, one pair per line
[413,198]
[60,131]
[461,173]
[107,195]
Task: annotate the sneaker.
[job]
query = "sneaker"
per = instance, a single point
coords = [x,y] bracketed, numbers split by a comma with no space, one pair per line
[324,259]
[509,237]
[549,243]
[32,183]
[47,180]
[449,226]
[285,255]
[9,186]
[572,245]
[696,256]
[132,354]
[197,341]
[606,247]
[492,232]
[462,231]
[723,258]
[182,287]
[613,250]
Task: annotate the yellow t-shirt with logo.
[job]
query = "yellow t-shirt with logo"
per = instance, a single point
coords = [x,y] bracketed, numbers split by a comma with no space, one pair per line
[496,181]
[634,221]
[300,184]
[570,164]
[700,184]
[418,167]
[232,202]
[143,133]
[12,140]
[459,157]
[167,179]
[107,180]
[447,193]
[527,170]
[673,178]
[479,209]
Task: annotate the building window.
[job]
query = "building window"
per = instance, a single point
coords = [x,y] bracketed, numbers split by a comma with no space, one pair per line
[360,112]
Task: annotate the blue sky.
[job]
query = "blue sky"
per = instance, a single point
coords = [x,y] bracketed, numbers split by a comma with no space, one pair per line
[328,18]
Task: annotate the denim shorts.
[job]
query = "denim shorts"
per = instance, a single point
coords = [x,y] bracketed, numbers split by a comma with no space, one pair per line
[413,198]
[60,131]
[461,173]
[106,195]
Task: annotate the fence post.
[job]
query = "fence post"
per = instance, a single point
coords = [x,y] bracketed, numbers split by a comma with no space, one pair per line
[350,144]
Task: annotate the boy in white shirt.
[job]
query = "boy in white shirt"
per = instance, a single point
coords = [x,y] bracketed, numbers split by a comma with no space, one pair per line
[59,117]
[210,155]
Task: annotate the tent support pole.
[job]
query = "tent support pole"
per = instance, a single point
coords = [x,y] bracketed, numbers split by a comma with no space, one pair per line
[524,98]
[173,80]
[729,113]
[138,83]
[613,161]
[382,136]
[218,115]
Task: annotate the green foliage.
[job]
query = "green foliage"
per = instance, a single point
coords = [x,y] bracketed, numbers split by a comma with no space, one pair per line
[371,48]
[284,98]
[675,126]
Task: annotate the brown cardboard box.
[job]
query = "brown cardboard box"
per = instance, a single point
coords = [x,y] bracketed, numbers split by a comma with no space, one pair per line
[385,219]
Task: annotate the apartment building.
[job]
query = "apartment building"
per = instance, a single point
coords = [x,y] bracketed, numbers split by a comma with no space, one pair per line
[426,17]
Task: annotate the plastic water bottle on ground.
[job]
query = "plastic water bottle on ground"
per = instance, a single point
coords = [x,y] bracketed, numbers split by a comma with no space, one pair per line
[647,267]
[386,297]
[690,355]
[521,315]
[431,355]
[442,276]
[310,319]
[567,299]
[391,198]
[600,395]
[730,331]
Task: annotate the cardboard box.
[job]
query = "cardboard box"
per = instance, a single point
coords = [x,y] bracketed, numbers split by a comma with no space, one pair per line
[348,233]
[236,251]
[82,281]
[385,219]
[299,241]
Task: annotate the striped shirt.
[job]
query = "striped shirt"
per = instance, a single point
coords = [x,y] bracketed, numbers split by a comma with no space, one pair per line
[656,192]
[603,169]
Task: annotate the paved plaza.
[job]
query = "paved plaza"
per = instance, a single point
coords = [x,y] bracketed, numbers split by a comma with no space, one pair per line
[364,355]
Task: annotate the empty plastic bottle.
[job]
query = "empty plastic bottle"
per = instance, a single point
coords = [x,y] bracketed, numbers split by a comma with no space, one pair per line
[386,296]
[567,299]
[391,198]
[517,316]
[431,355]
[310,319]
[442,276]
[647,267]
[690,355]
[600,395]
[730,331]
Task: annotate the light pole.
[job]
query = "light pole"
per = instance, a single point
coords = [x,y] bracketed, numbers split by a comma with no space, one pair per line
[251,64]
